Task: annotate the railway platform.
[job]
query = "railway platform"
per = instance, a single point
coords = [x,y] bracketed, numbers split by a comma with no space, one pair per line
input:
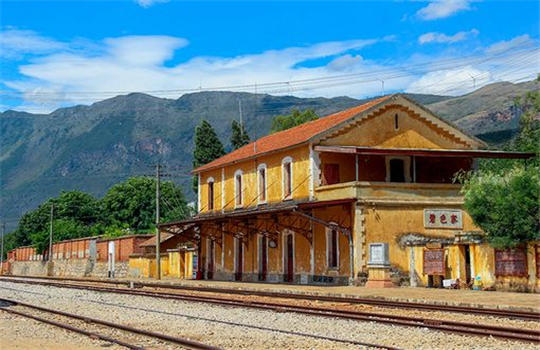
[460,297]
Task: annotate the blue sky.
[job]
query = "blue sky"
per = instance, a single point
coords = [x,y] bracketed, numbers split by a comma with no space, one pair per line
[60,53]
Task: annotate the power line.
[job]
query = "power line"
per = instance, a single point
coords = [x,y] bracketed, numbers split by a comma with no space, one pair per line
[296,84]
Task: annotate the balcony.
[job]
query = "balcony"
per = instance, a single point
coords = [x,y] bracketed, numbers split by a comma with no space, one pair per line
[392,192]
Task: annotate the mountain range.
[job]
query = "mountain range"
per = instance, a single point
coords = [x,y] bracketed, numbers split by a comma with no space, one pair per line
[92,147]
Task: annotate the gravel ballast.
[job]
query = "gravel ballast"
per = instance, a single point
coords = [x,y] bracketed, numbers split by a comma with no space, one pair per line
[239,328]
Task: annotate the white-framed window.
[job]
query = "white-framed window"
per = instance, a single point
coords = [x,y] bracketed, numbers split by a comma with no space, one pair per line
[210,184]
[398,169]
[262,184]
[332,247]
[287,177]
[238,189]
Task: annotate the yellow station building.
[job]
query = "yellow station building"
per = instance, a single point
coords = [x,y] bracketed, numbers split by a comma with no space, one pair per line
[363,195]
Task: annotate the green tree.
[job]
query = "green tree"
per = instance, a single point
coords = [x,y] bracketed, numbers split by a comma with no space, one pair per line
[503,196]
[239,136]
[207,147]
[284,122]
[74,213]
[506,206]
[133,203]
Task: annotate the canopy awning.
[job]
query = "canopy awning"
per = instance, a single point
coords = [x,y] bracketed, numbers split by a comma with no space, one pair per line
[301,209]
[424,152]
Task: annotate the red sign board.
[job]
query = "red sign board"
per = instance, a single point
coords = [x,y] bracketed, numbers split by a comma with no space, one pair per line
[434,262]
[511,262]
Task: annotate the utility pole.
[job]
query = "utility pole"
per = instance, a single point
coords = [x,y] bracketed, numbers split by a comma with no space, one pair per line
[2,249]
[51,232]
[158,234]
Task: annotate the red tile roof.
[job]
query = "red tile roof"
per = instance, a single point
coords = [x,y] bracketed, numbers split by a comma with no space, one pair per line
[291,137]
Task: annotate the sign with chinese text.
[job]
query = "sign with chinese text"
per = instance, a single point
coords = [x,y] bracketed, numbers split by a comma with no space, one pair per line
[511,262]
[434,262]
[443,218]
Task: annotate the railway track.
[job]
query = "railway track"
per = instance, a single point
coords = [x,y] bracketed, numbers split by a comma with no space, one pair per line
[515,314]
[508,333]
[7,306]
[5,303]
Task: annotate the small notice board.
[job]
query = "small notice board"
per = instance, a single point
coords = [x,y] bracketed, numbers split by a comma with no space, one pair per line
[511,262]
[434,262]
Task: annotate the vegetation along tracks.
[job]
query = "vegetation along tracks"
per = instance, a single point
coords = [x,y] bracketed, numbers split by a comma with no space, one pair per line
[508,333]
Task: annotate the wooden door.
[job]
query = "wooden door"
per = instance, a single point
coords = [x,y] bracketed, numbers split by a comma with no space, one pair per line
[239,260]
[211,259]
[289,259]
[263,256]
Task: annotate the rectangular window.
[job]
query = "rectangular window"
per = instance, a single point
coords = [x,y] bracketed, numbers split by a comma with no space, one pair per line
[262,185]
[238,190]
[287,180]
[333,249]
[211,195]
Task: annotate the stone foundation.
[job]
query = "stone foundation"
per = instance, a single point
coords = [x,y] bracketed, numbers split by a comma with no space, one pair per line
[69,268]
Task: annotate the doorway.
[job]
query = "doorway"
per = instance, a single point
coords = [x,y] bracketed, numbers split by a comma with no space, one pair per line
[239,259]
[263,257]
[211,259]
[467,254]
[289,258]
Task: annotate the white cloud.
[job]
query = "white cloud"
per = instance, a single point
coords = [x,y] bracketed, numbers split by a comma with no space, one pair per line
[435,37]
[16,43]
[344,62]
[143,64]
[518,41]
[148,3]
[517,59]
[443,8]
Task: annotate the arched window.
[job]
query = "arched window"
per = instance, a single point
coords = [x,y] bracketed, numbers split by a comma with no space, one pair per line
[332,247]
[287,177]
[261,175]
[210,183]
[238,189]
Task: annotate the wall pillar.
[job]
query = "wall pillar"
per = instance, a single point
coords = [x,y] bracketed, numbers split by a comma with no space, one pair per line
[359,240]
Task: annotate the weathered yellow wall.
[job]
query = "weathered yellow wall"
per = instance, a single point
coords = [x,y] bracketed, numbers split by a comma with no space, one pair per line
[301,180]
[173,265]
[384,224]
[335,214]
[380,132]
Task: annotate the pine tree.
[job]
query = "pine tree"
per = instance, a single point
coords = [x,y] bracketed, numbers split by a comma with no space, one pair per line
[239,135]
[207,147]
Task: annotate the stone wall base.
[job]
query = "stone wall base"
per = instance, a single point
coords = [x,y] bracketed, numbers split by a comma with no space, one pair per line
[69,268]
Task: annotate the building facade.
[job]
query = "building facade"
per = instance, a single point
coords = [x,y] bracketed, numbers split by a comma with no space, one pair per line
[304,205]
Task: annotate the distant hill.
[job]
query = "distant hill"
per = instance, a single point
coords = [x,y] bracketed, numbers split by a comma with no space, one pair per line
[92,147]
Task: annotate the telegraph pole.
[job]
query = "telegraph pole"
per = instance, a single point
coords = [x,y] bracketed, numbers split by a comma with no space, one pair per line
[2,253]
[158,234]
[51,232]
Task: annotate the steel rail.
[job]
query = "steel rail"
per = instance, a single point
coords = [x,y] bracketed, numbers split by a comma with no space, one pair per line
[74,329]
[175,340]
[517,314]
[508,333]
